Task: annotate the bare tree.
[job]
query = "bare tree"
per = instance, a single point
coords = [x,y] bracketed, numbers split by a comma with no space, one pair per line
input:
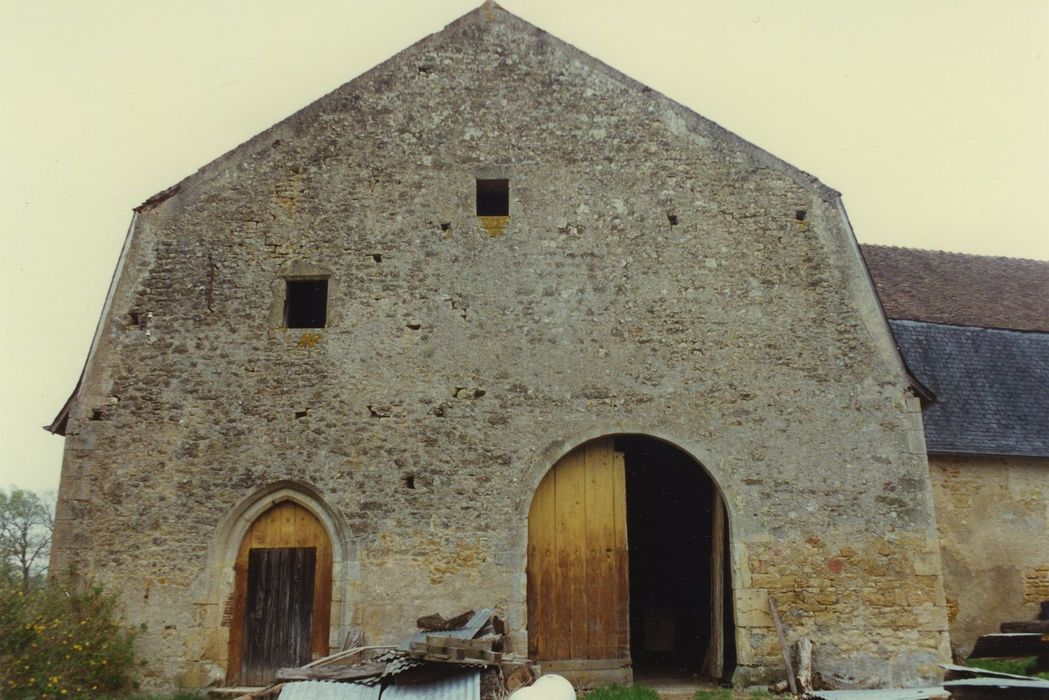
[26,522]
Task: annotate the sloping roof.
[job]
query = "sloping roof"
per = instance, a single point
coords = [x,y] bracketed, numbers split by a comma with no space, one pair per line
[992,387]
[960,290]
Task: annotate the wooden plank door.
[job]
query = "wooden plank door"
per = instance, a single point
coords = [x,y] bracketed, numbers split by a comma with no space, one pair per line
[278,613]
[286,524]
[578,597]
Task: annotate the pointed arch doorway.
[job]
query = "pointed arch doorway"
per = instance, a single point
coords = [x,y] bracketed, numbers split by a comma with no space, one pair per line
[282,588]
[627,565]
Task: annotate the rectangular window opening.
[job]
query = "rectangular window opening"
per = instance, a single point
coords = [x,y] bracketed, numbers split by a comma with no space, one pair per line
[306,303]
[493,197]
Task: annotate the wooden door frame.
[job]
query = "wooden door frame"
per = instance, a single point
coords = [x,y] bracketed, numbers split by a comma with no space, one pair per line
[714,662]
[217,580]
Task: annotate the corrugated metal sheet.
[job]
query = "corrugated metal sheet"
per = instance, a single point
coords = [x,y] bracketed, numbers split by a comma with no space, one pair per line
[465,686]
[880,694]
[328,690]
[399,662]
[1029,685]
[954,672]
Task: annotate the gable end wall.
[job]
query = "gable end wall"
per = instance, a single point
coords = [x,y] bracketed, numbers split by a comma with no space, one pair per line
[742,334]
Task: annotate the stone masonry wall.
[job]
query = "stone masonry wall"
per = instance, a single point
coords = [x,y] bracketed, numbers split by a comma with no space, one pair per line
[657,275]
[992,516]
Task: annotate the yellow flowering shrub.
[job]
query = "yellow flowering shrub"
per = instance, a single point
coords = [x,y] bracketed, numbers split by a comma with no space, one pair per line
[62,641]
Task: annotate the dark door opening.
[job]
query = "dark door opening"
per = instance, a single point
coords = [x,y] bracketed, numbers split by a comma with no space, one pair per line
[680,618]
[279,611]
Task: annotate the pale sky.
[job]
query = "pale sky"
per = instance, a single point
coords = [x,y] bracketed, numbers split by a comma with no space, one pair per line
[930,116]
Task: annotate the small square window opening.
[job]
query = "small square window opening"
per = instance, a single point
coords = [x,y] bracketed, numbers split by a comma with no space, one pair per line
[493,197]
[306,304]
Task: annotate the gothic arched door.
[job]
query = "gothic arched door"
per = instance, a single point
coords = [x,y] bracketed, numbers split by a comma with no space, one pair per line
[281,601]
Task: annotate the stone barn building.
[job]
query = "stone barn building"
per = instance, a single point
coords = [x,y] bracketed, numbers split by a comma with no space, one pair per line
[495,325]
[974,330]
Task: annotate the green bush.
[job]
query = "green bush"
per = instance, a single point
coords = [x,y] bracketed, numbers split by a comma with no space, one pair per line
[61,641]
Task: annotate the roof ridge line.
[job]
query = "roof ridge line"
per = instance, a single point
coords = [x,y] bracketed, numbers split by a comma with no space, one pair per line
[885,246]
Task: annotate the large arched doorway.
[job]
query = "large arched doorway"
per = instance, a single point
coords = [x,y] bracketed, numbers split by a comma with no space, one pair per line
[281,601]
[628,565]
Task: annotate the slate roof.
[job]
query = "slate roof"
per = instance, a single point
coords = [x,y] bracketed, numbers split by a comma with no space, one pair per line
[960,289]
[992,387]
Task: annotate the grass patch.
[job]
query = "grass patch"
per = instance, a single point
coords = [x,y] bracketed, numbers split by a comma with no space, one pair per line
[726,694]
[1015,666]
[623,692]
[719,694]
[640,692]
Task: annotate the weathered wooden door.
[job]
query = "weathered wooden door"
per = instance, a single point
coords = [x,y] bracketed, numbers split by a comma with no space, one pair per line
[578,598]
[278,613]
[286,525]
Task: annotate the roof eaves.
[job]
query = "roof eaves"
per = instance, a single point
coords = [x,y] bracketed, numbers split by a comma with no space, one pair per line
[59,424]
[947,452]
[61,421]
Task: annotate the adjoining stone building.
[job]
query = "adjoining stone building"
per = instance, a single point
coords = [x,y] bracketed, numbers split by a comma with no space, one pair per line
[975,331]
[494,324]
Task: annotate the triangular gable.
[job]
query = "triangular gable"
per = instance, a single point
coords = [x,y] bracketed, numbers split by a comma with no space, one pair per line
[684,120]
[680,120]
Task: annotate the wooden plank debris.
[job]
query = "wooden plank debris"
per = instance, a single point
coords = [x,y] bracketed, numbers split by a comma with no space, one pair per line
[272,691]
[477,641]
[805,665]
[344,655]
[1035,626]
[331,673]
[471,628]
[437,623]
[583,664]
[1013,644]
[516,676]
[783,645]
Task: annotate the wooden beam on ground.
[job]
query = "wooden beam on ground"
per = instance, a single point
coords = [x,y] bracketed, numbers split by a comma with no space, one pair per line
[331,673]
[784,650]
[337,656]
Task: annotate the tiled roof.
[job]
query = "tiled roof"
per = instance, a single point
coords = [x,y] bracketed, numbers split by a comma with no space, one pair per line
[959,289]
[992,387]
